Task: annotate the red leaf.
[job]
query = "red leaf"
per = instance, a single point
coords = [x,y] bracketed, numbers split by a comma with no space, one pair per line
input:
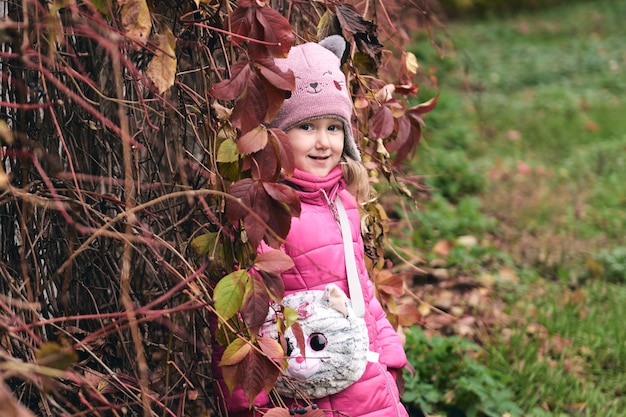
[242,190]
[241,21]
[253,141]
[276,30]
[362,30]
[425,107]
[255,373]
[231,88]
[403,137]
[274,284]
[276,85]
[389,283]
[299,335]
[279,222]
[272,73]
[411,143]
[272,350]
[273,261]
[382,123]
[406,89]
[251,106]
[287,161]
[286,195]
[269,205]
[408,315]
[266,163]
[255,304]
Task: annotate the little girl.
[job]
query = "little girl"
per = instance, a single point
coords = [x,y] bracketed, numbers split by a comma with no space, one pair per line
[317,120]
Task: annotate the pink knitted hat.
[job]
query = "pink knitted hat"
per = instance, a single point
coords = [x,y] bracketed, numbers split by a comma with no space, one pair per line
[321,89]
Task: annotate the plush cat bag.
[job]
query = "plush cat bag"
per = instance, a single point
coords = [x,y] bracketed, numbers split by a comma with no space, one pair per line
[336,340]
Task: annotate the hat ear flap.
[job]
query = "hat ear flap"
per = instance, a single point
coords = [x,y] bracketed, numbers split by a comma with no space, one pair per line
[334,43]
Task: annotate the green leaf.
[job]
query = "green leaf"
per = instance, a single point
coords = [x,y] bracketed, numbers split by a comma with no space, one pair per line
[205,244]
[228,151]
[291,316]
[228,294]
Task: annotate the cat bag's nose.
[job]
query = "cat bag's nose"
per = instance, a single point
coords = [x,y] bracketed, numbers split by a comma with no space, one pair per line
[299,359]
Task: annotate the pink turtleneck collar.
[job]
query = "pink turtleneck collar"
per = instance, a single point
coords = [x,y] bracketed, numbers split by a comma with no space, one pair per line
[309,185]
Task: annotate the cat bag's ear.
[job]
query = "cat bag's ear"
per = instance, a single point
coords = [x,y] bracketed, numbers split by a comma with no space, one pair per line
[336,299]
[334,43]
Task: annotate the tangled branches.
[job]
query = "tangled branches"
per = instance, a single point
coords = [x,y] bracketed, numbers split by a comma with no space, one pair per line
[116,156]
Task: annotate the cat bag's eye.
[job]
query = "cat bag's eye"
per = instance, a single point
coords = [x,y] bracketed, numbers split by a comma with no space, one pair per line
[317,341]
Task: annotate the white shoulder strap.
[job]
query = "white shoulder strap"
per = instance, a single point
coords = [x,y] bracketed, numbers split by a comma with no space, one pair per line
[354,285]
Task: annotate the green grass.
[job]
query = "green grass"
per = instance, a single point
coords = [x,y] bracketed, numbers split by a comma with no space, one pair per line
[531,122]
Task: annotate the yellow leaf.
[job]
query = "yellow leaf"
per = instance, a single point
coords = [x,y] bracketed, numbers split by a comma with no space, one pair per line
[5,133]
[162,68]
[55,356]
[235,352]
[410,63]
[136,20]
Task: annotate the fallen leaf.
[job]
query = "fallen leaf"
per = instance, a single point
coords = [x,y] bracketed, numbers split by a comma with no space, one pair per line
[136,20]
[162,67]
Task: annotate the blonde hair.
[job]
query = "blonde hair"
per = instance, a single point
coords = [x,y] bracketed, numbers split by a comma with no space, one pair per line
[357,179]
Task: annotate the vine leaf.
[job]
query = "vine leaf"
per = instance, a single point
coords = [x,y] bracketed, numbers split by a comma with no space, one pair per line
[229,293]
[272,350]
[273,262]
[361,30]
[263,206]
[408,315]
[285,150]
[256,21]
[162,67]
[136,21]
[389,283]
[251,107]
[231,88]
[255,304]
[382,123]
[55,356]
[227,152]
[205,244]
[250,368]
[253,91]
[235,353]
[253,141]
[274,284]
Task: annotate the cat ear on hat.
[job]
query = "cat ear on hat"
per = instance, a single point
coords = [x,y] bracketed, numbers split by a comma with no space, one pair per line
[336,44]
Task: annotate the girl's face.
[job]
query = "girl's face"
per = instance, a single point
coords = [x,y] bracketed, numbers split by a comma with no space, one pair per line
[317,145]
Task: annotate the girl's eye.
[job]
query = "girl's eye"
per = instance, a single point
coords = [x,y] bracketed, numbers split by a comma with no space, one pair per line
[317,341]
[306,126]
[335,128]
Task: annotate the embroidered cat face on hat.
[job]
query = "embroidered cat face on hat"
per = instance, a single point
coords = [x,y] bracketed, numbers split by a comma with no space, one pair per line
[321,89]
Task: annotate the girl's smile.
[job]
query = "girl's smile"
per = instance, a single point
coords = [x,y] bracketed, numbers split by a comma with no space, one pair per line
[317,145]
